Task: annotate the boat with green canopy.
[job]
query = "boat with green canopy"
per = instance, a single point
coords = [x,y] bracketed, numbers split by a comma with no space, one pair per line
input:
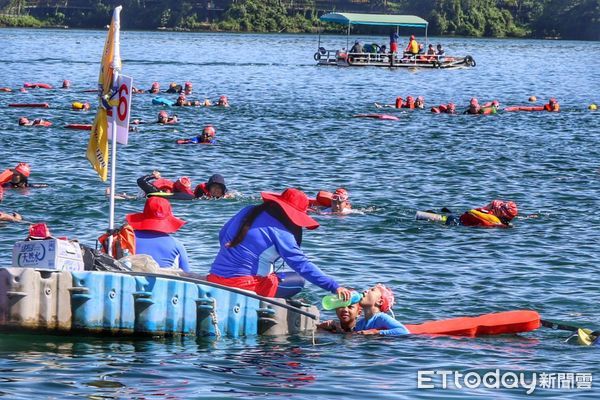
[373,55]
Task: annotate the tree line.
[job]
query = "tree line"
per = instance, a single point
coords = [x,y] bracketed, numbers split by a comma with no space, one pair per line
[566,19]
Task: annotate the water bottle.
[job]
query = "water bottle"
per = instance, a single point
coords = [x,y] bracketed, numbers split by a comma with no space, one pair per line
[423,215]
[333,301]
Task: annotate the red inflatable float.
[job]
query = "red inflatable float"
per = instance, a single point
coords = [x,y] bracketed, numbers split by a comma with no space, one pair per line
[31,105]
[501,323]
[37,85]
[80,127]
[377,116]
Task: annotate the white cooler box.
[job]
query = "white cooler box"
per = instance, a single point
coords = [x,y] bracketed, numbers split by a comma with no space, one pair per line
[56,254]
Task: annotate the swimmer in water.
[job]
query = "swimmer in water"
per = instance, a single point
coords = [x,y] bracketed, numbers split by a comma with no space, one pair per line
[449,108]
[223,102]
[375,303]
[214,188]
[174,88]
[497,214]
[16,177]
[347,317]
[155,88]
[474,107]
[331,203]
[23,121]
[183,102]
[165,118]
[208,136]
[187,88]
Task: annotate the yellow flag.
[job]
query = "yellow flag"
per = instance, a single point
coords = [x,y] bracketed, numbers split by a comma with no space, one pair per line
[97,151]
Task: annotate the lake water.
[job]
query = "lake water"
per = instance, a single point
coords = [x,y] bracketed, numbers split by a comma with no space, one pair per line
[291,124]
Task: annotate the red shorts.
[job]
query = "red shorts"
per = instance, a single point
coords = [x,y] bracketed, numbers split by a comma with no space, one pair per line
[262,285]
[393,47]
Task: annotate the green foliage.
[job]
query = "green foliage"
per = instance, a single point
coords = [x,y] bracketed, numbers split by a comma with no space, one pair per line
[574,19]
[20,21]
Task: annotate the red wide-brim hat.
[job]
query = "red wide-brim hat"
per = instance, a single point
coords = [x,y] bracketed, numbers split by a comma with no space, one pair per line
[294,204]
[157,216]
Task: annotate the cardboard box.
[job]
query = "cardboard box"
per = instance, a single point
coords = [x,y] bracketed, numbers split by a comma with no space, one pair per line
[55,254]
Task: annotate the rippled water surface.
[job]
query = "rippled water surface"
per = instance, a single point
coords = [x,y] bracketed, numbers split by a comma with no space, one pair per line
[291,124]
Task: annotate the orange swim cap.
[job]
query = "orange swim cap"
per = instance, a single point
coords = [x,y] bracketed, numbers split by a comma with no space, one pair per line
[23,168]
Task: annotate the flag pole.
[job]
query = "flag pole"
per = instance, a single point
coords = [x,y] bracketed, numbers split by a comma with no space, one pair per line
[113,153]
[113,169]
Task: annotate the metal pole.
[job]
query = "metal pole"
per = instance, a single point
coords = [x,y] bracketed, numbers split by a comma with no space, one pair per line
[426,39]
[113,168]
[348,38]
[319,30]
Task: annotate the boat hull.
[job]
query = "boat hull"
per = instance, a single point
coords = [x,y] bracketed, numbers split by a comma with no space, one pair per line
[108,303]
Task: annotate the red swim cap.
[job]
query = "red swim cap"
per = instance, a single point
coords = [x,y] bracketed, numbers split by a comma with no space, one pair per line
[23,169]
[163,114]
[387,296]
[188,84]
[341,193]
[209,130]
[410,99]
[183,184]
[510,210]
[23,121]
[181,97]
[553,101]
[155,85]
[503,209]
[66,84]
[474,102]
[184,181]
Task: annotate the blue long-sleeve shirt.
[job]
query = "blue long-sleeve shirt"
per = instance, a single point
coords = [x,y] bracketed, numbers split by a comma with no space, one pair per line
[167,251]
[267,240]
[387,325]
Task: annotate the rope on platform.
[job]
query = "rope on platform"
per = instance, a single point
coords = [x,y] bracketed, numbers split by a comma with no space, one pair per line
[215,321]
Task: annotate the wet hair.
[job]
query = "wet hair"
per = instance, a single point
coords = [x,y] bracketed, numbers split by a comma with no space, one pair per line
[272,209]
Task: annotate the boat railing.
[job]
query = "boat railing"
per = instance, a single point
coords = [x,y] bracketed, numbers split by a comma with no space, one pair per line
[336,57]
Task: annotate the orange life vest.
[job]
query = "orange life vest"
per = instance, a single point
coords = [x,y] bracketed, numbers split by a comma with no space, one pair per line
[5,176]
[481,217]
[123,243]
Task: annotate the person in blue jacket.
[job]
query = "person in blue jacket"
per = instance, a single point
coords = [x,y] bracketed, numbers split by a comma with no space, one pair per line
[375,303]
[152,230]
[257,237]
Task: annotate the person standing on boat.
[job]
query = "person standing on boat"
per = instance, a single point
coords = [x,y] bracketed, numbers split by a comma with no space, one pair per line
[394,42]
[257,237]
[152,229]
